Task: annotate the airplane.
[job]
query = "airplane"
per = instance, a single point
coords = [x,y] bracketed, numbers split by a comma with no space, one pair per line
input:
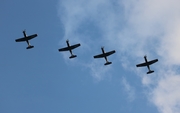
[147,63]
[70,48]
[104,55]
[27,38]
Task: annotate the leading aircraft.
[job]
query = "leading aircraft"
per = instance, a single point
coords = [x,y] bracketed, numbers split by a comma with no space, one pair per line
[27,38]
[104,55]
[70,48]
[147,63]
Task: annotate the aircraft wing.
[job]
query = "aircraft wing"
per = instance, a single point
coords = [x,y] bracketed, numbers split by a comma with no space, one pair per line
[152,61]
[105,54]
[70,47]
[26,38]
[147,64]
[142,64]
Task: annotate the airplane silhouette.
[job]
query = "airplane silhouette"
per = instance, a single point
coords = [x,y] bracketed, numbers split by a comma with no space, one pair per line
[70,48]
[104,55]
[147,63]
[27,38]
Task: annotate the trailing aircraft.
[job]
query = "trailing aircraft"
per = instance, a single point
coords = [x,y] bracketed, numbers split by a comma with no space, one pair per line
[27,38]
[104,55]
[70,48]
[147,63]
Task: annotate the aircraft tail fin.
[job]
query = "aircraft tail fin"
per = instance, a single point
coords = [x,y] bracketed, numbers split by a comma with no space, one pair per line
[149,72]
[107,63]
[73,56]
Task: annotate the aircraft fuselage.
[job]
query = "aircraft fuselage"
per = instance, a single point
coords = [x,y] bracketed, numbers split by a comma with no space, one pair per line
[102,50]
[145,58]
[68,43]
[24,32]
[29,46]
[107,62]
[150,71]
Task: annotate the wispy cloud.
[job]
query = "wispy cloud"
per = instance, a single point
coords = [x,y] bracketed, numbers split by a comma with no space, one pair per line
[84,21]
[128,89]
[99,71]
[157,23]
[166,95]
[139,27]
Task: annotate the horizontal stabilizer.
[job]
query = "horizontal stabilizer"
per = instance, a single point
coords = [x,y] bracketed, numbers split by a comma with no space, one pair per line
[29,47]
[150,72]
[73,56]
[107,63]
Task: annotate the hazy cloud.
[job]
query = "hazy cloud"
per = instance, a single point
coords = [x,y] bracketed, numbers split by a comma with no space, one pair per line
[166,95]
[87,20]
[129,89]
[139,27]
[157,21]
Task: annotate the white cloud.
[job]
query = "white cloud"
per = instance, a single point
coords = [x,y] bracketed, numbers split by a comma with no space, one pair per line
[94,15]
[98,70]
[139,27]
[166,95]
[158,21]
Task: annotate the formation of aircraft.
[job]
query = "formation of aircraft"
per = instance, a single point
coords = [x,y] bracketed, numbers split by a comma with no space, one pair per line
[27,38]
[147,63]
[104,55]
[71,47]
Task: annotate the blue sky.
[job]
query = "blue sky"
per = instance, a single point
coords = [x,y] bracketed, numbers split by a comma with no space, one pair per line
[42,80]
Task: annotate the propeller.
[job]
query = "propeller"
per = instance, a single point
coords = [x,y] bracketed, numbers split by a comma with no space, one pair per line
[24,30]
